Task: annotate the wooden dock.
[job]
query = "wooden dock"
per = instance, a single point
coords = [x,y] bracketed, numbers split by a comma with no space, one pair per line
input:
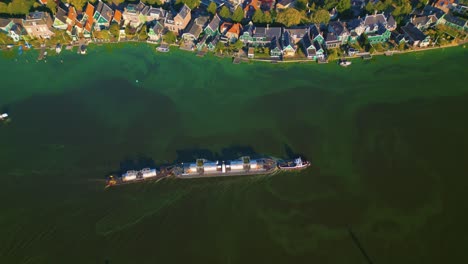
[201,53]
[366,57]
[42,53]
[236,60]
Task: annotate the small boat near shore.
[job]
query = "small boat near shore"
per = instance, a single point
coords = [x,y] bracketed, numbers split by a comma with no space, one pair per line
[344,63]
[4,117]
[163,48]
[297,164]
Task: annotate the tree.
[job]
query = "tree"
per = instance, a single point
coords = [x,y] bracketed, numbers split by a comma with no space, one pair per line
[220,46]
[301,5]
[343,5]
[169,37]
[237,45]
[52,6]
[78,4]
[212,8]
[267,18]
[258,16]
[238,14]
[190,3]
[20,6]
[114,29]
[329,4]
[321,16]
[289,17]
[143,35]
[4,38]
[225,13]
[370,8]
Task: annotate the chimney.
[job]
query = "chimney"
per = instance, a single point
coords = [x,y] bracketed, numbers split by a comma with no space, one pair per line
[268,26]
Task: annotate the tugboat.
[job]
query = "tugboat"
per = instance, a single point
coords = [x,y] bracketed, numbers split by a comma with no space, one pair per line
[344,63]
[297,164]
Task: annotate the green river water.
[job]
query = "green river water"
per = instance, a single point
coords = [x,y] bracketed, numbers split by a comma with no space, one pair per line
[388,140]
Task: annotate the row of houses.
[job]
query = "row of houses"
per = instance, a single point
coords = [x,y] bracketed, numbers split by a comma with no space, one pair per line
[201,32]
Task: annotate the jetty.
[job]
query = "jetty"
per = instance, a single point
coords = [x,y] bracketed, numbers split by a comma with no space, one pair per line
[42,53]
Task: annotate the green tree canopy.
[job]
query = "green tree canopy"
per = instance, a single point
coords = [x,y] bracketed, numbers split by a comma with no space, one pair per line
[212,8]
[143,34]
[267,18]
[289,17]
[225,13]
[190,3]
[321,16]
[169,37]
[52,6]
[78,4]
[258,16]
[238,14]
[343,5]
[114,29]
[301,5]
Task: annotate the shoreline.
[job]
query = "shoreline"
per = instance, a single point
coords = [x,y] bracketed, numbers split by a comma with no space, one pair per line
[242,59]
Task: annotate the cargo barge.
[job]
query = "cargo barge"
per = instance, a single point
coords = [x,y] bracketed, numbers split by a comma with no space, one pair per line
[203,168]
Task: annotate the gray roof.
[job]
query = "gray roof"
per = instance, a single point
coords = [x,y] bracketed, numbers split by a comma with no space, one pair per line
[422,20]
[184,11]
[331,37]
[201,21]
[269,33]
[371,20]
[430,10]
[61,15]
[214,23]
[297,32]
[194,29]
[413,32]
[354,23]
[156,12]
[337,27]
[285,2]
[105,11]
[286,39]
[4,22]
[391,22]
[314,31]
[455,20]
[40,18]
[158,28]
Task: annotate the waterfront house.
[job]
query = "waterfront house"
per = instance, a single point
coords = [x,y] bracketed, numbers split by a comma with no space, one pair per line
[288,47]
[414,36]
[230,32]
[423,22]
[179,22]
[444,5]
[332,41]
[212,42]
[60,20]
[283,4]
[134,15]
[377,27]
[312,49]
[12,29]
[275,47]
[156,31]
[155,14]
[117,17]
[297,34]
[265,35]
[316,34]
[454,22]
[88,21]
[38,25]
[247,33]
[194,29]
[71,21]
[103,15]
[339,30]
[429,10]
[212,29]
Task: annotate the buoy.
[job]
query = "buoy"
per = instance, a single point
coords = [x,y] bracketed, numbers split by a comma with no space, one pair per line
[136,81]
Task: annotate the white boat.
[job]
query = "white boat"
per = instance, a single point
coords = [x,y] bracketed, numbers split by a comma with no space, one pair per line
[345,63]
[163,48]
[4,116]
[297,164]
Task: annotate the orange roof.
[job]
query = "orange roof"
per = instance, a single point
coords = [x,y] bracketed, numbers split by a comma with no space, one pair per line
[69,28]
[236,28]
[117,16]
[72,14]
[78,24]
[254,4]
[89,10]
[225,26]
[89,24]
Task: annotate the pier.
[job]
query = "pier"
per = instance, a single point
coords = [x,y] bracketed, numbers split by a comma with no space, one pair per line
[42,53]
